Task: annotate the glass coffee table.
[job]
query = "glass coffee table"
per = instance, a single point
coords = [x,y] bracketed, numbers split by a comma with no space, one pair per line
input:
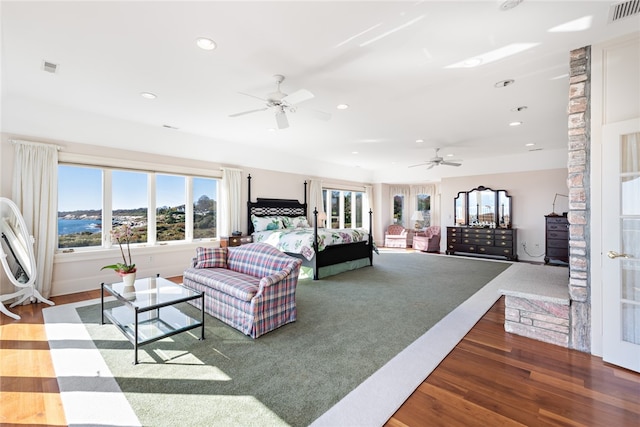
[147,312]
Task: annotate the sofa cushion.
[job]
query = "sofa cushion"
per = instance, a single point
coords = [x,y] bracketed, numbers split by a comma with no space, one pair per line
[211,258]
[239,285]
[258,259]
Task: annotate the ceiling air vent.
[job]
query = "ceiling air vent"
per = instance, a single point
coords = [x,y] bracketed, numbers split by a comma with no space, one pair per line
[49,67]
[624,10]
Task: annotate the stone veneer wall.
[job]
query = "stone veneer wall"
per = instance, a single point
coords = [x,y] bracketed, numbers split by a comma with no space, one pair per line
[538,318]
[579,198]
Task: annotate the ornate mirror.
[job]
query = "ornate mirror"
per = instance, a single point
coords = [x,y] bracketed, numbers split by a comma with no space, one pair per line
[483,207]
[17,256]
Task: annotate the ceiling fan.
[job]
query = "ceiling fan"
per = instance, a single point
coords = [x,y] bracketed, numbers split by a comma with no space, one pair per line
[436,161]
[282,103]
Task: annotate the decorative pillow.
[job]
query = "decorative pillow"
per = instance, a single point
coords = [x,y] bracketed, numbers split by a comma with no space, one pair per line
[211,257]
[264,223]
[299,222]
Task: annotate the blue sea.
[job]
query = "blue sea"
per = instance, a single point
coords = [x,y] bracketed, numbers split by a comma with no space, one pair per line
[71,226]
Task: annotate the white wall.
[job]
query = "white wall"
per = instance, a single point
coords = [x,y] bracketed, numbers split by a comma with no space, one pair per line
[531,194]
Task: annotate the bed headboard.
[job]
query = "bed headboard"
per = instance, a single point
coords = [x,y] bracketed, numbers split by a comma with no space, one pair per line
[274,207]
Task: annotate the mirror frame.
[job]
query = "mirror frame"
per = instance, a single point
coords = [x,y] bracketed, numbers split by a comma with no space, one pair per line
[496,211]
[16,230]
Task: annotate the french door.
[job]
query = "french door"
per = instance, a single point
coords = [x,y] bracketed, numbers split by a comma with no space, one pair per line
[621,244]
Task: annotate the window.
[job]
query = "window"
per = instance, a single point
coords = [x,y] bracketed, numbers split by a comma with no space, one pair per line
[170,210]
[346,208]
[398,206]
[85,192]
[79,206]
[129,202]
[423,204]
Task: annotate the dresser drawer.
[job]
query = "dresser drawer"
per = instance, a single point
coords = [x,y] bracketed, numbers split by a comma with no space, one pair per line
[553,243]
[564,235]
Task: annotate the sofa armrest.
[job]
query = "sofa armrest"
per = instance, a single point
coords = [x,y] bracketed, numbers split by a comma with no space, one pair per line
[276,277]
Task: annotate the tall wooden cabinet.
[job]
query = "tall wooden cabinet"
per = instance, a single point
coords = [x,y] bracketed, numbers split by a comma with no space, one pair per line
[556,239]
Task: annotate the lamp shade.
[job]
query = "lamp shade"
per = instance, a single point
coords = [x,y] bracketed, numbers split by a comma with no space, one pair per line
[417,216]
[322,216]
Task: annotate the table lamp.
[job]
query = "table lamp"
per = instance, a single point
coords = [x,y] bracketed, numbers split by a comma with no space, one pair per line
[417,217]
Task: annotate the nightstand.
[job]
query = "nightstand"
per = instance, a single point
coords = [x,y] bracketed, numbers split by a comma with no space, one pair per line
[235,241]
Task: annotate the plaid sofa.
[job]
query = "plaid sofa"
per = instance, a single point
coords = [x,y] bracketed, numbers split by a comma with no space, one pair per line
[250,287]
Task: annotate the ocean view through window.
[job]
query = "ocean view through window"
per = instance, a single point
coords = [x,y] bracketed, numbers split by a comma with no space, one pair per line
[81,205]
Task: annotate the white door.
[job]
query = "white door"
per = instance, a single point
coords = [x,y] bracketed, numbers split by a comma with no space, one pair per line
[621,244]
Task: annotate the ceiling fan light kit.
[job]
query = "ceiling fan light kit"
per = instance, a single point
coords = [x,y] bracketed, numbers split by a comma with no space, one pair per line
[283,103]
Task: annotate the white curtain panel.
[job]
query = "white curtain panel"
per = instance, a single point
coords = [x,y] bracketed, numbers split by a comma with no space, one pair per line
[230,201]
[35,192]
[367,204]
[315,199]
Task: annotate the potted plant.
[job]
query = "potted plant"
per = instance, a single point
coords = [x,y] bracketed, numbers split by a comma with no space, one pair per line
[126,269]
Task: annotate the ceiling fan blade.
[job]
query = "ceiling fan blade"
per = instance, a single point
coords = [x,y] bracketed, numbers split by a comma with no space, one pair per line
[247,112]
[281,120]
[252,96]
[297,97]
[420,164]
[450,164]
[431,166]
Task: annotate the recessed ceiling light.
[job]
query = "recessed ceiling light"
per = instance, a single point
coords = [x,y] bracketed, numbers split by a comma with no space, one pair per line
[531,144]
[449,155]
[271,129]
[519,109]
[354,152]
[504,83]
[419,141]
[342,106]
[148,95]
[515,123]
[205,43]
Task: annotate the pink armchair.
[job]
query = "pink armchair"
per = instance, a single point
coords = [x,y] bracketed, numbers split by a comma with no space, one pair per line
[395,236]
[427,240]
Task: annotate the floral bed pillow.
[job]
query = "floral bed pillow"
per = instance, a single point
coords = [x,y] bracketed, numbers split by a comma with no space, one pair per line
[211,257]
[265,223]
[298,222]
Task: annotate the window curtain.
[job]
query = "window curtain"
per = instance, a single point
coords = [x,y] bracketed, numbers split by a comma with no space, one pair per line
[230,201]
[315,199]
[35,192]
[367,203]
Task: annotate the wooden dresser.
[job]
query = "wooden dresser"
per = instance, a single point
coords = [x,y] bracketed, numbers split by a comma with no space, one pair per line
[488,242]
[556,239]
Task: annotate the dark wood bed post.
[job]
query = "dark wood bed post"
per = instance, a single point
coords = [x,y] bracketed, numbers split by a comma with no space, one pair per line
[249,204]
[315,238]
[370,237]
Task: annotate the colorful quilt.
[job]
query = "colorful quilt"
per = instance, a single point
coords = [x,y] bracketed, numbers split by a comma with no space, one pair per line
[300,240]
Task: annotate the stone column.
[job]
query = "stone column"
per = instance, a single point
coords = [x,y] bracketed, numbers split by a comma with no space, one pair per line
[579,198]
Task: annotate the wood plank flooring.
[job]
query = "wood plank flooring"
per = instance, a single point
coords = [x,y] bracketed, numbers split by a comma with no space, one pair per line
[491,378]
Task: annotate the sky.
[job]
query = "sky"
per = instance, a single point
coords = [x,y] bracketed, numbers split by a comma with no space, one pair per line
[80,188]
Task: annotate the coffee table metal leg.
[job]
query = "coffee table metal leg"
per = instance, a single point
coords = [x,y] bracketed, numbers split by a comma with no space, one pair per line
[135,339]
[202,318]
[102,303]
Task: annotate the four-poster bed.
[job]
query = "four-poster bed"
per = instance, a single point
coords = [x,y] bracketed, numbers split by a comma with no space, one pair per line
[327,247]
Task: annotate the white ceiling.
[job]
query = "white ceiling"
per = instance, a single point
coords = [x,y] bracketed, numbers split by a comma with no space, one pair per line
[387,60]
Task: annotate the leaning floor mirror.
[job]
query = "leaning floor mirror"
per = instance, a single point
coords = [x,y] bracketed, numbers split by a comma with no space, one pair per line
[17,256]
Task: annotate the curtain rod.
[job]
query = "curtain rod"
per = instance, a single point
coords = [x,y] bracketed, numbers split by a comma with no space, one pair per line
[40,144]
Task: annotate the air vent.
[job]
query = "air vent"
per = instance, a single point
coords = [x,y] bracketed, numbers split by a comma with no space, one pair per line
[624,10]
[49,67]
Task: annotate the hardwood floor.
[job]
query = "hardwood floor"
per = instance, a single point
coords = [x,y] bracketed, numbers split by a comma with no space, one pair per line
[491,378]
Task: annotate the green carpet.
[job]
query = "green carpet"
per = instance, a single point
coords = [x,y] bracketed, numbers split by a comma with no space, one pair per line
[348,326]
